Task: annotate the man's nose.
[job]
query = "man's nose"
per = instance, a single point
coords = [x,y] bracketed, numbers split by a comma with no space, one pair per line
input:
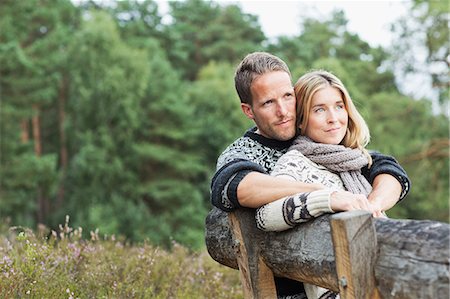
[282,109]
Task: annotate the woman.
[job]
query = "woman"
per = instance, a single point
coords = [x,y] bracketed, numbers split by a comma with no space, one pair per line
[329,150]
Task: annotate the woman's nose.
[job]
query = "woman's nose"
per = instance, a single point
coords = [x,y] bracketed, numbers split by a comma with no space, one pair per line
[332,117]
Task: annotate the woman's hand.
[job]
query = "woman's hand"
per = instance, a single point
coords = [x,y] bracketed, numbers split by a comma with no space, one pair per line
[347,201]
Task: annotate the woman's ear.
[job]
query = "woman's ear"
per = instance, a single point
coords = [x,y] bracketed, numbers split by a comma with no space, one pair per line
[247,109]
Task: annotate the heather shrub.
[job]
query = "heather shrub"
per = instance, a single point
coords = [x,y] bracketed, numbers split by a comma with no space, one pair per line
[63,264]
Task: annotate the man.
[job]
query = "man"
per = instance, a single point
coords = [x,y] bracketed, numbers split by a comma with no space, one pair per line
[263,83]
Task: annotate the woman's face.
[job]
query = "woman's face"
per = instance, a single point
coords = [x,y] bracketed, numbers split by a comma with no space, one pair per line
[328,117]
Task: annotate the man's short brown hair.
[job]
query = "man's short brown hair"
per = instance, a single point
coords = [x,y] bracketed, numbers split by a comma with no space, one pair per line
[252,66]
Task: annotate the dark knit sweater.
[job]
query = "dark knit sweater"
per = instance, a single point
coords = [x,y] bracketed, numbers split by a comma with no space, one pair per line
[254,152]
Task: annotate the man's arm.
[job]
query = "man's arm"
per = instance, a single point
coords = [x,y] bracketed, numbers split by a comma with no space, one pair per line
[385,185]
[390,183]
[257,189]
[386,191]
[242,183]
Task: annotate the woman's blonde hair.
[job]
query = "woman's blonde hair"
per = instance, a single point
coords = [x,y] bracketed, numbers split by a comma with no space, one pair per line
[357,135]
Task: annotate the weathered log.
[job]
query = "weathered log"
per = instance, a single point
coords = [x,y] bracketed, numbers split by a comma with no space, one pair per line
[413,256]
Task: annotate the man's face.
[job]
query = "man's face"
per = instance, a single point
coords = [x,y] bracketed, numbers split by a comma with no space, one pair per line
[273,107]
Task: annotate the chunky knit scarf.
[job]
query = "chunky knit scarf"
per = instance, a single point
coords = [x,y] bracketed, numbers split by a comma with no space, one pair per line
[345,161]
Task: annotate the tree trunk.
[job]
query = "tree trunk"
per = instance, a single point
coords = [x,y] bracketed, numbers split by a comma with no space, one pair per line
[36,131]
[62,97]
[24,131]
[412,261]
[42,201]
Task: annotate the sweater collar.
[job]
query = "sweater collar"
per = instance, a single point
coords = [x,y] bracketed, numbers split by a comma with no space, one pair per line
[269,142]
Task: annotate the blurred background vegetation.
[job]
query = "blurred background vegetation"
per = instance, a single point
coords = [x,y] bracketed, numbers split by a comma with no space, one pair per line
[116,118]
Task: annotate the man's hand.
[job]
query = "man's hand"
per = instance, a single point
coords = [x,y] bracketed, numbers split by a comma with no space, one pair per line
[377,210]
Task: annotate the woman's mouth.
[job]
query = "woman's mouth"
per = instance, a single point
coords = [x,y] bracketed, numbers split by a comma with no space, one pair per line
[332,130]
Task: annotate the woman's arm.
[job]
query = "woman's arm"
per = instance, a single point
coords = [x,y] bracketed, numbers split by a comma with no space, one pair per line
[285,213]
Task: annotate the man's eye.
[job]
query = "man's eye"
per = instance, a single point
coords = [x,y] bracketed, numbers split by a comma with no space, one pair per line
[267,102]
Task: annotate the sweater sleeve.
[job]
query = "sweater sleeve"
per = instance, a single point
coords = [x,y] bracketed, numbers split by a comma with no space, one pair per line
[226,180]
[383,164]
[286,212]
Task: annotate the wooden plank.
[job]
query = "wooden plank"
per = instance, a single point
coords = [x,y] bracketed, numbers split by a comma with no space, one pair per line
[355,250]
[265,283]
[256,278]
[241,256]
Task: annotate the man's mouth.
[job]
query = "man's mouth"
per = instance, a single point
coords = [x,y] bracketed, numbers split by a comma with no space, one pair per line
[284,122]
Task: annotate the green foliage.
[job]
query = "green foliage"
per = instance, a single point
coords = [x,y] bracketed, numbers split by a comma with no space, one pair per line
[68,265]
[424,31]
[328,45]
[322,39]
[219,102]
[115,115]
[22,178]
[202,31]
[33,41]
[137,20]
[426,151]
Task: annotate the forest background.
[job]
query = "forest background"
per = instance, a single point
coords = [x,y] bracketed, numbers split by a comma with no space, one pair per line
[116,118]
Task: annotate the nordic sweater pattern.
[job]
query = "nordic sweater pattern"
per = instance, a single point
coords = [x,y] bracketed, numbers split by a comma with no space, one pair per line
[253,152]
[295,166]
[286,212]
[246,148]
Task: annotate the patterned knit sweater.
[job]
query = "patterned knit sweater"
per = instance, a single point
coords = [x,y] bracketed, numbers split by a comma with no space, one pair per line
[286,212]
[253,152]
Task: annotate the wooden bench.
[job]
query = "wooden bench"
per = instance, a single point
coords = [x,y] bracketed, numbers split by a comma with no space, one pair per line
[375,258]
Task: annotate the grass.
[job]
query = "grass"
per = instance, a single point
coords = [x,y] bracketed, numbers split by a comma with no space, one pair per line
[65,265]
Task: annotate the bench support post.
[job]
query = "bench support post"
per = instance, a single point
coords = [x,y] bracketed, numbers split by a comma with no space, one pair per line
[256,278]
[355,251]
